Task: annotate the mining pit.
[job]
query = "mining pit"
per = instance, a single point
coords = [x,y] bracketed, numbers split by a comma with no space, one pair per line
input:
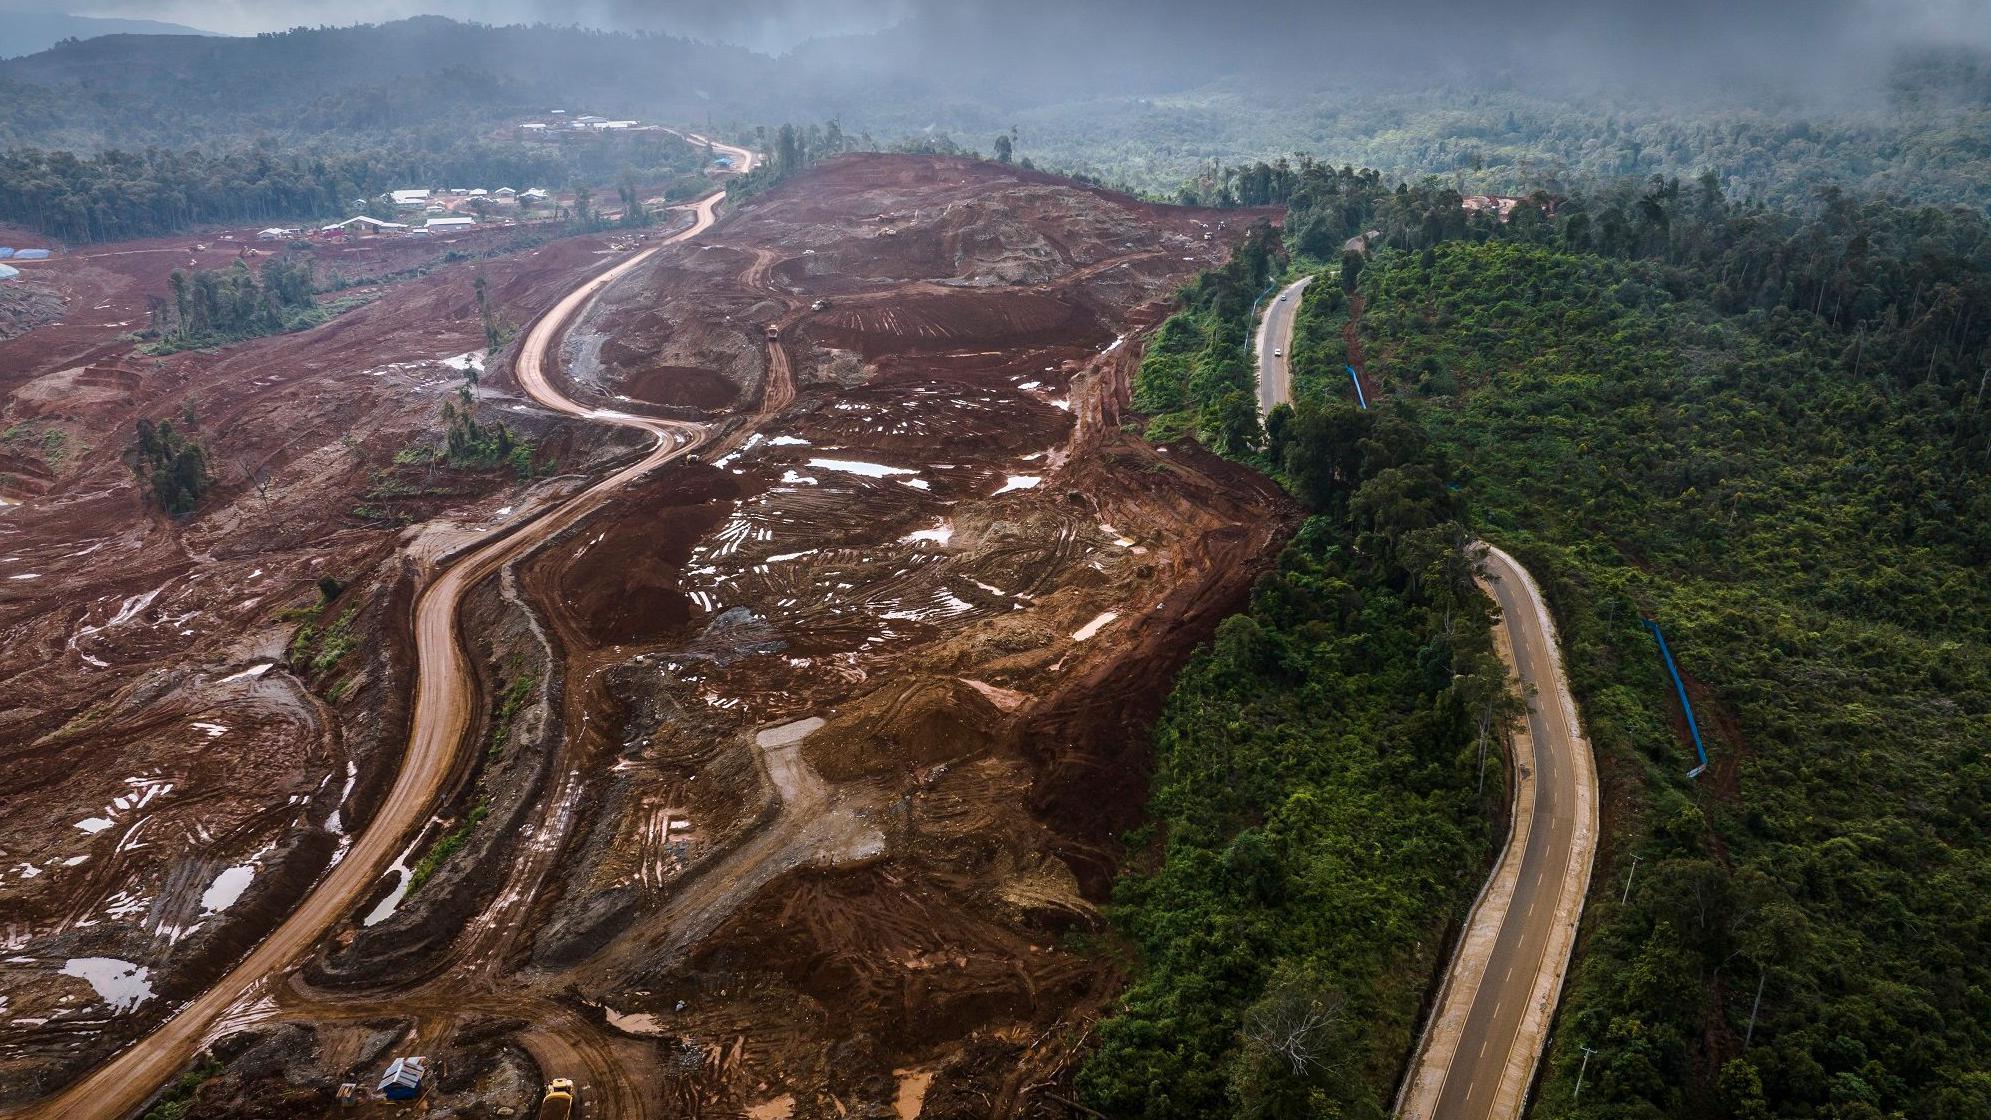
[801,765]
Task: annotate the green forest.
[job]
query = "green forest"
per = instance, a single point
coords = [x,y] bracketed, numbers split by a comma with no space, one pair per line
[1318,816]
[1316,821]
[1800,497]
[1763,427]
[115,195]
[216,306]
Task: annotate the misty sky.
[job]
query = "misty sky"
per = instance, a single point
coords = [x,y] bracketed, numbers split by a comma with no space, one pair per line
[1731,28]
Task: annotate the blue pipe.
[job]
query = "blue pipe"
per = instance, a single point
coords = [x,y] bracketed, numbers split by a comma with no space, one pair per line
[1680,689]
[1357,379]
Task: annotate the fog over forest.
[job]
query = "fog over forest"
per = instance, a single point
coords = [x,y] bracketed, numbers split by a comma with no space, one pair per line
[1821,45]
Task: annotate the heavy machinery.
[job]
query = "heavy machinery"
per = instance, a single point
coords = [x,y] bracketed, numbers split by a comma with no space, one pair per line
[558,1104]
[773,333]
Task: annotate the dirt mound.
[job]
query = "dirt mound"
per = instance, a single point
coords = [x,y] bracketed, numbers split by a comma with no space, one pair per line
[687,386]
[624,582]
[917,721]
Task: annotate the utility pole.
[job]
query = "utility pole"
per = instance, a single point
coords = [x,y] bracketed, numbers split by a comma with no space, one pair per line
[1628,881]
[1581,1070]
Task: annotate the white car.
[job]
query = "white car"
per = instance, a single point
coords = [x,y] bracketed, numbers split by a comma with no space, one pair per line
[1278,353]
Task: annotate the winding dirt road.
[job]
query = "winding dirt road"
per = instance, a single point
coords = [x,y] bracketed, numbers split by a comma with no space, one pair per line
[446,700]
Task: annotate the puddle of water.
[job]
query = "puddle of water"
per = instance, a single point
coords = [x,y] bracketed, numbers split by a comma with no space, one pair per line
[636,1022]
[405,878]
[335,823]
[251,673]
[856,466]
[93,825]
[1020,482]
[227,888]
[1094,627]
[120,984]
[940,534]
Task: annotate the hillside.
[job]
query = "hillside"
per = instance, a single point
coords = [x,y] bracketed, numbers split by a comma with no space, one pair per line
[1801,507]
[24,33]
[339,86]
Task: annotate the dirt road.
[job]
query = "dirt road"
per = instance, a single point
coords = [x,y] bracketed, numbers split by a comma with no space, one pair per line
[1275,341]
[445,702]
[1486,1035]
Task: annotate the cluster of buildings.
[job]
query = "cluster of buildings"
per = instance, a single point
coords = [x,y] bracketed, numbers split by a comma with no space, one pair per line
[426,212]
[559,125]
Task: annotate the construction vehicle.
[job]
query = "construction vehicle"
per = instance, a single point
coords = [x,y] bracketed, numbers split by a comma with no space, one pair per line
[773,333]
[558,1104]
[819,305]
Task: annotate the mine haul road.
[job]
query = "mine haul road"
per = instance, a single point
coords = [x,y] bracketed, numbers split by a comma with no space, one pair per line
[1478,1053]
[445,700]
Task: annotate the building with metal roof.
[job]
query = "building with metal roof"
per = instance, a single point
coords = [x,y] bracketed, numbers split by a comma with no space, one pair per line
[403,1080]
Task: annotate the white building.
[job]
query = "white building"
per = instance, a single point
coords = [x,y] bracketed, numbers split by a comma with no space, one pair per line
[360,223]
[409,199]
[456,221]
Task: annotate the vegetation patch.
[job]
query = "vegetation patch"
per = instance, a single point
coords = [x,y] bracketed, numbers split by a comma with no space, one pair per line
[451,843]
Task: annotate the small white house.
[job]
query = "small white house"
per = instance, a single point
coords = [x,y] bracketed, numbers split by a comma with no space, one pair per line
[536,194]
[505,192]
[480,192]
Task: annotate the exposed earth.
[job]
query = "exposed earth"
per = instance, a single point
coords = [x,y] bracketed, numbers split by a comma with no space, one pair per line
[801,764]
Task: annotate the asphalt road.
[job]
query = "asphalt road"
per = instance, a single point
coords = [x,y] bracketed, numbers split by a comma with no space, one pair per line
[446,698]
[1275,332]
[1487,1033]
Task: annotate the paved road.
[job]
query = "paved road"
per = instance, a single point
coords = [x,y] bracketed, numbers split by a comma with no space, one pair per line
[1275,332]
[445,701]
[1486,1035]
